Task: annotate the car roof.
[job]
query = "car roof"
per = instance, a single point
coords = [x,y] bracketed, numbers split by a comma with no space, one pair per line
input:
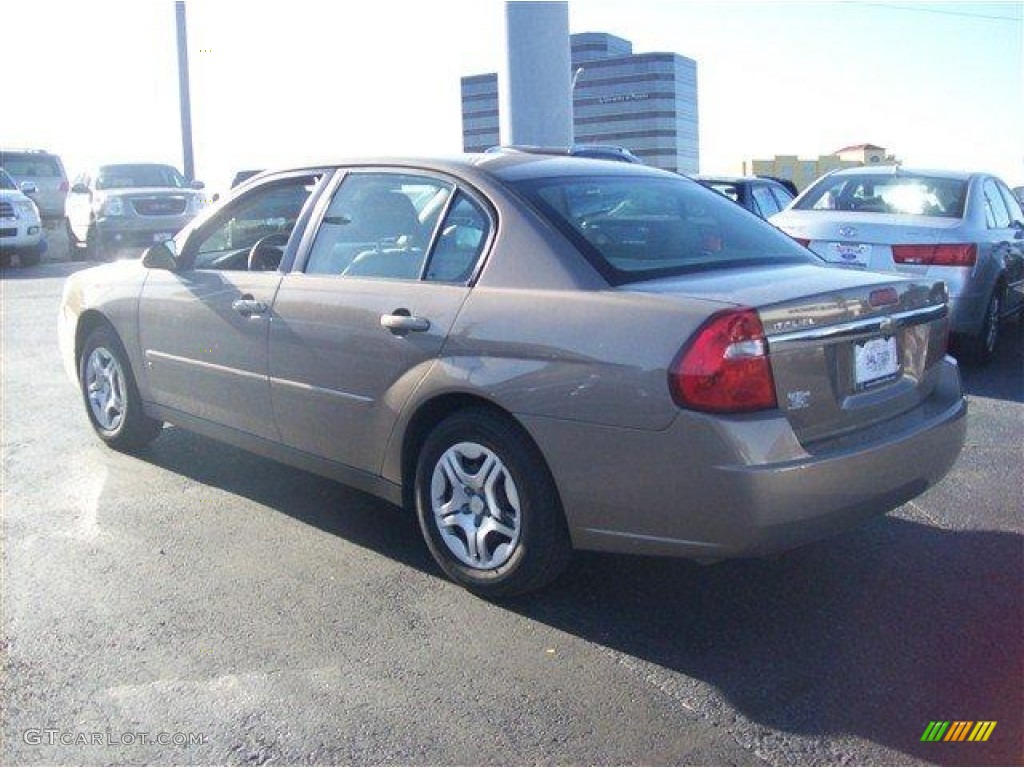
[507,166]
[899,170]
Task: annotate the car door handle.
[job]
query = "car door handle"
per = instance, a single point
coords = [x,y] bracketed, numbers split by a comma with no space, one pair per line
[248,306]
[400,324]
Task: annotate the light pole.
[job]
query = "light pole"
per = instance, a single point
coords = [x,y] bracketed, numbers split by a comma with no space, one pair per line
[183,94]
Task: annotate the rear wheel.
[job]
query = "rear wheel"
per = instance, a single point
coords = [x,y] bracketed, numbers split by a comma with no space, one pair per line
[488,508]
[111,396]
[983,346]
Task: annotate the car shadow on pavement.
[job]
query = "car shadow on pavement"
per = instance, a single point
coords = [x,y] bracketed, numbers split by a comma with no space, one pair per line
[872,634]
[1003,378]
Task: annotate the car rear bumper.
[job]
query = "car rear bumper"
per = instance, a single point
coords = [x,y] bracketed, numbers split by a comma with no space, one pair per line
[714,488]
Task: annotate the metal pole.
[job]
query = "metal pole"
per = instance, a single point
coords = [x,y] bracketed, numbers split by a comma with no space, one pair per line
[186,103]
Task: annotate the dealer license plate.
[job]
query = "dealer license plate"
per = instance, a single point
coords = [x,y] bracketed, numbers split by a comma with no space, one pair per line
[875,360]
[854,254]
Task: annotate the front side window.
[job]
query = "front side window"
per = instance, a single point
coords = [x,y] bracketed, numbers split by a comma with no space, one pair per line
[139,175]
[888,193]
[266,215]
[640,227]
[379,225]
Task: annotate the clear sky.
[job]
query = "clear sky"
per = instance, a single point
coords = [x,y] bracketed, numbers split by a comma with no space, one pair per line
[937,84]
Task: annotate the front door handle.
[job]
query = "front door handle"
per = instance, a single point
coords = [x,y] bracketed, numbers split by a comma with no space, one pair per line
[400,322]
[247,306]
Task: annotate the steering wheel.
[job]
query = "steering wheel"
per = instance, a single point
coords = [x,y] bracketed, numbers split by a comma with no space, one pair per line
[265,254]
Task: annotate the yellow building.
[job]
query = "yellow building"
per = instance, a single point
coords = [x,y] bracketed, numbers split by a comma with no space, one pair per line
[803,172]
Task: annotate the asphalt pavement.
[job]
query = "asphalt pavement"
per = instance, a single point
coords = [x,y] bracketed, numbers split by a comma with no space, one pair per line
[195,604]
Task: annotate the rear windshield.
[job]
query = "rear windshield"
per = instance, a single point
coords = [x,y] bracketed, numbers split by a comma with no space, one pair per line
[878,193]
[117,176]
[36,166]
[638,228]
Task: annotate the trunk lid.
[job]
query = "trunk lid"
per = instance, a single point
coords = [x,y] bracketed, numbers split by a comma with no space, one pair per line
[848,349]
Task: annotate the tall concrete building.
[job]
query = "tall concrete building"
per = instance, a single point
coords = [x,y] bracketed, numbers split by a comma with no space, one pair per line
[646,102]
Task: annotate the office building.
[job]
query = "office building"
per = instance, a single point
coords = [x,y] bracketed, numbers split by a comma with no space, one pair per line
[645,102]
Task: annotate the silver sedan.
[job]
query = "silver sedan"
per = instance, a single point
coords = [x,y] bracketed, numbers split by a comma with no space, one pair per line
[964,228]
[533,354]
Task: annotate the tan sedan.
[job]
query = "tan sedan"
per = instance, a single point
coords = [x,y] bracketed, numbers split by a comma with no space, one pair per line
[534,354]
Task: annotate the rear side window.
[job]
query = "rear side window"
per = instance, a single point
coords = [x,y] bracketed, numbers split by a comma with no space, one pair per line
[782,196]
[460,243]
[996,214]
[378,225]
[887,193]
[764,200]
[642,227]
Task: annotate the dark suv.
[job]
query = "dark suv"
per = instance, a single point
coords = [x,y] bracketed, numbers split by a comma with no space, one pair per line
[758,194]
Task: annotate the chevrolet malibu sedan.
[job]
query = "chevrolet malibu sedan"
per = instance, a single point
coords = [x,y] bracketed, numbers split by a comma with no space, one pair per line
[966,229]
[533,354]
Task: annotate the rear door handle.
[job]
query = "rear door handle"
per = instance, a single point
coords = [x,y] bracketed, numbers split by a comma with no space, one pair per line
[401,323]
[247,306]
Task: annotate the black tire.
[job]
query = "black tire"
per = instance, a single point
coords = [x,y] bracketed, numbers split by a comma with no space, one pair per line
[542,549]
[94,251]
[76,252]
[31,257]
[982,348]
[125,427]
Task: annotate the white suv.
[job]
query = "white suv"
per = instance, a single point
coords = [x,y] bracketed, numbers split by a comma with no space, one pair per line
[21,229]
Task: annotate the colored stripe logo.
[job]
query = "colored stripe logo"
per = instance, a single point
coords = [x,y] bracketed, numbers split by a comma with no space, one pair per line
[958,730]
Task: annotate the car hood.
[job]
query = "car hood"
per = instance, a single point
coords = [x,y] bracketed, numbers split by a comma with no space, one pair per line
[12,195]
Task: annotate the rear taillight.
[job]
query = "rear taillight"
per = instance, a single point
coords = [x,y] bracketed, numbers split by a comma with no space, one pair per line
[953,255]
[724,368]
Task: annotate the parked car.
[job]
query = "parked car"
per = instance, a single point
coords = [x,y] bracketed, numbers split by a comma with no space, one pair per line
[535,354]
[1018,192]
[760,195]
[128,206]
[45,171]
[21,228]
[966,229]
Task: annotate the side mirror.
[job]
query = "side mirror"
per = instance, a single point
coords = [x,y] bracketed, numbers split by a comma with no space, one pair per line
[80,189]
[197,185]
[28,187]
[160,256]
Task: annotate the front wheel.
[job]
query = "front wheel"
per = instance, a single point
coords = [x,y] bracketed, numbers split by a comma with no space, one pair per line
[111,397]
[488,508]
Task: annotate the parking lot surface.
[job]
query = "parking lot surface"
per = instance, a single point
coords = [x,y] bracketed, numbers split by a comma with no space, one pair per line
[195,604]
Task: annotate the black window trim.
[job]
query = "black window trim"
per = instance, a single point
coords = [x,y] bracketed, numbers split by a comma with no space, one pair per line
[615,277]
[316,215]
